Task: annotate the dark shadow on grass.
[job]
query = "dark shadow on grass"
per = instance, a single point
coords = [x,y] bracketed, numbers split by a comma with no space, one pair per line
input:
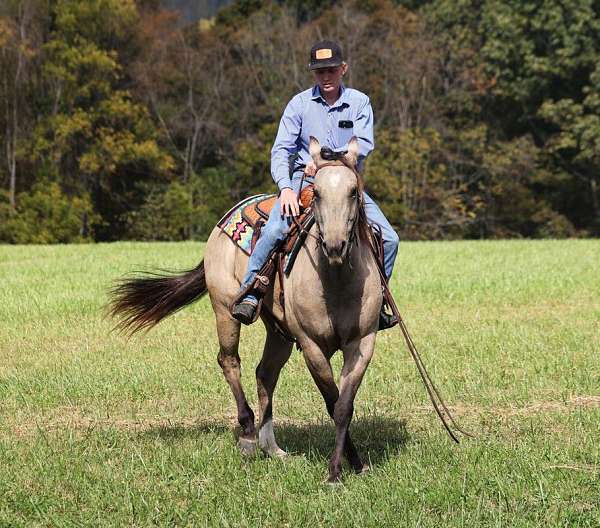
[181,431]
[376,437]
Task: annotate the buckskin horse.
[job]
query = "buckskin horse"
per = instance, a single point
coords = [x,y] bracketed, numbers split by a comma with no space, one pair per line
[332,300]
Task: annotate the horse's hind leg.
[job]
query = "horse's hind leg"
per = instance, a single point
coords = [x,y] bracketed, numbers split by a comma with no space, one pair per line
[275,355]
[228,330]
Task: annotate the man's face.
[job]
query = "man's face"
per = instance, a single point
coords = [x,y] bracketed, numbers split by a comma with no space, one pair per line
[330,79]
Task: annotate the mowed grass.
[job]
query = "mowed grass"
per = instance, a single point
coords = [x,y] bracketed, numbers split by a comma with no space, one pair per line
[100,430]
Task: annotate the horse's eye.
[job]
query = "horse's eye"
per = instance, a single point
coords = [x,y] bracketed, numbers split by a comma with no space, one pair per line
[316,194]
[353,193]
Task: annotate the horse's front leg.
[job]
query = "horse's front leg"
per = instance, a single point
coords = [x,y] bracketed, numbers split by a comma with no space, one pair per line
[357,356]
[320,369]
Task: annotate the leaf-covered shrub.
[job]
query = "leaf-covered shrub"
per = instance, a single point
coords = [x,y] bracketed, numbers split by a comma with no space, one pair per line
[182,211]
[46,216]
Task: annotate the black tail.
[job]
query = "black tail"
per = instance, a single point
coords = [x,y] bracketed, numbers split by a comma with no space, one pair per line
[142,302]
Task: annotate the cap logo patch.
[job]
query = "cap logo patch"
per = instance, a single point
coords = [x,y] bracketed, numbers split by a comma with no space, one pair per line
[324,53]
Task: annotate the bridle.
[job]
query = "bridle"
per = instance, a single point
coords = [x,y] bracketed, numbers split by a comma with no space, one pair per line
[339,162]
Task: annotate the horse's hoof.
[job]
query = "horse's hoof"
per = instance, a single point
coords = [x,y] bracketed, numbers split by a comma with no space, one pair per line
[247,446]
[365,469]
[279,453]
[276,452]
[334,482]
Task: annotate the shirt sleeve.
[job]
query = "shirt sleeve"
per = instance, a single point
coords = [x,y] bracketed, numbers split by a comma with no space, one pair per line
[363,130]
[286,144]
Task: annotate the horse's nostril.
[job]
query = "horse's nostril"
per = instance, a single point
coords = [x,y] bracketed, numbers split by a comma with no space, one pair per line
[334,251]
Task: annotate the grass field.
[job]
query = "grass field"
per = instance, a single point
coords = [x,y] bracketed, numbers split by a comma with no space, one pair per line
[99,430]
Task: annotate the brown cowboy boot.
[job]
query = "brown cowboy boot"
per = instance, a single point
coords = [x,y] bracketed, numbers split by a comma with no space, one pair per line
[245,310]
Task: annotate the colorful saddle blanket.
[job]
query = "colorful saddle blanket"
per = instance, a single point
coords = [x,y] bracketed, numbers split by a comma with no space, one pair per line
[243,221]
[239,223]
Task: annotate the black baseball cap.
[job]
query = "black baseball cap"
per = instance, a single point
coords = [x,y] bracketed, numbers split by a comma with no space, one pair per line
[325,54]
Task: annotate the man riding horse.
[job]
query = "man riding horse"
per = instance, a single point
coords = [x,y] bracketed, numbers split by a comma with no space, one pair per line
[333,294]
[333,114]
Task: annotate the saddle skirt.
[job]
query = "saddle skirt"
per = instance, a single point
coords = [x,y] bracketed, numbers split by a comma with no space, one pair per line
[243,222]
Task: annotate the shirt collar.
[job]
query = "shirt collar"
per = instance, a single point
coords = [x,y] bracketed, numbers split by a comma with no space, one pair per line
[316,95]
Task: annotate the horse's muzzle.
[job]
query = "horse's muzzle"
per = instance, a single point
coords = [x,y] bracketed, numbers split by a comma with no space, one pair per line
[335,252]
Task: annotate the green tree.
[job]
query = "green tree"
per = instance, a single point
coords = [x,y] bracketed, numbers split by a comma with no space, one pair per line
[100,141]
[419,187]
[539,61]
[22,24]
[486,112]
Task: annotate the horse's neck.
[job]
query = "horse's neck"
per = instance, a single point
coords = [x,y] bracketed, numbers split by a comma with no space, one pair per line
[334,302]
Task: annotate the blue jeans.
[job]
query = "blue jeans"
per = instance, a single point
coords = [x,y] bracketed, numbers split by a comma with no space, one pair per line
[276,229]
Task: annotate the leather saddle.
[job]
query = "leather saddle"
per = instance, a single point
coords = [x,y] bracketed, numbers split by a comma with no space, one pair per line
[257,214]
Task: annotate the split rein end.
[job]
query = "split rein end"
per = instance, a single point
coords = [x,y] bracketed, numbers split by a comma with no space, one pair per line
[438,403]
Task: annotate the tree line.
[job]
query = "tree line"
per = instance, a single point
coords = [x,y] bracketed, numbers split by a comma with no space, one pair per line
[118,121]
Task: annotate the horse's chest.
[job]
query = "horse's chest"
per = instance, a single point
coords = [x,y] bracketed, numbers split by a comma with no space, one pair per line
[332,318]
[332,306]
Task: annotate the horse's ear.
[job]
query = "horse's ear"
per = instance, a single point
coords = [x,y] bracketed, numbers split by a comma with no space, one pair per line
[352,154]
[314,148]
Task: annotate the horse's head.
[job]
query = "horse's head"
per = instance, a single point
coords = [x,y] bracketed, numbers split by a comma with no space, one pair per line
[337,201]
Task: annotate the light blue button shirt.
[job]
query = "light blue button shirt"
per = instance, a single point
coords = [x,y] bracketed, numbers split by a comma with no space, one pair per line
[308,114]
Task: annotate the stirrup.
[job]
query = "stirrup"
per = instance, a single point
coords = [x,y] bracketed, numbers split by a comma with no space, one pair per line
[386,320]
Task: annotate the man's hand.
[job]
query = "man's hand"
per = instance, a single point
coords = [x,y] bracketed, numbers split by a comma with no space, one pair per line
[310,169]
[289,202]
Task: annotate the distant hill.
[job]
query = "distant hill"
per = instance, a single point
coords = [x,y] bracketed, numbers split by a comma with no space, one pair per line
[193,10]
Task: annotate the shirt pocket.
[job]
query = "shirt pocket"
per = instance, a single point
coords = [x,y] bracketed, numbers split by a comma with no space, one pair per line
[345,131]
